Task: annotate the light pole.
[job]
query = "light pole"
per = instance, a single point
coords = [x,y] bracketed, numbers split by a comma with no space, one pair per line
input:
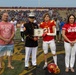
[38,3]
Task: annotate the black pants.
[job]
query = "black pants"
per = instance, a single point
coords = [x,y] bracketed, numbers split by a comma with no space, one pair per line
[22,35]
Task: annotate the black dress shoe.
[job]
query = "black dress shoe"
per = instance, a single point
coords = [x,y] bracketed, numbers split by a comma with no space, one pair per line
[26,68]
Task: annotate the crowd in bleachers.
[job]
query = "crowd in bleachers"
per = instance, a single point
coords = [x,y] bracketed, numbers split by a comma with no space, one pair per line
[22,14]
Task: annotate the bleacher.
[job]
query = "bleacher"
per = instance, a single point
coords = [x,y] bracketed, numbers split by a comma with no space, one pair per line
[20,13]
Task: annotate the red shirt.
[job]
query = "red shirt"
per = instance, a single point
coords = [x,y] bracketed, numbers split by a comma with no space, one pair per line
[70,31]
[48,28]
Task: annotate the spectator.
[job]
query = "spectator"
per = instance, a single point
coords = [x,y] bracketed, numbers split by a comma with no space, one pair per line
[22,30]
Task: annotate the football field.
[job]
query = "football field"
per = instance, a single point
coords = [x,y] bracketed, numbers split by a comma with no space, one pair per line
[19,57]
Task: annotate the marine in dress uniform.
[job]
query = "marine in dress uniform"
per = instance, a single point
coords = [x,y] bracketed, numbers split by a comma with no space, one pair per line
[31,42]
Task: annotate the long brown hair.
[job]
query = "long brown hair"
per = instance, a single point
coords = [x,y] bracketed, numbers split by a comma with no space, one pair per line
[69,17]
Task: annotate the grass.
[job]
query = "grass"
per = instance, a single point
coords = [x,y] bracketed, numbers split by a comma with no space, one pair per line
[19,66]
[17,35]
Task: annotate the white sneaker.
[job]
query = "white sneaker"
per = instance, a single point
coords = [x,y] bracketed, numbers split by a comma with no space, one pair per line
[45,65]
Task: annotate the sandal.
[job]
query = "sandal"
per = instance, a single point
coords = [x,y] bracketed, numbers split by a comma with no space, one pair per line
[10,67]
[72,70]
[67,70]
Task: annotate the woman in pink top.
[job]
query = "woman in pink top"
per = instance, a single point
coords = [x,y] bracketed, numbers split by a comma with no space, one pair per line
[6,39]
[69,35]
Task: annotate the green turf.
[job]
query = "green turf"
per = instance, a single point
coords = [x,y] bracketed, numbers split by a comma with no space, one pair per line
[19,66]
[18,36]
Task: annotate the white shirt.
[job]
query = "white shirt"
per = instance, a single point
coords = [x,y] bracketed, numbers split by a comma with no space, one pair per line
[14,22]
[22,28]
